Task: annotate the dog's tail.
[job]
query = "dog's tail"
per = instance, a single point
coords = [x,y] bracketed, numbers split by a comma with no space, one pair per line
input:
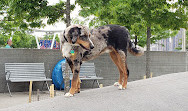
[138,51]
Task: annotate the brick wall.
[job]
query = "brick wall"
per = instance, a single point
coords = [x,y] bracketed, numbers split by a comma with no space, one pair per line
[161,63]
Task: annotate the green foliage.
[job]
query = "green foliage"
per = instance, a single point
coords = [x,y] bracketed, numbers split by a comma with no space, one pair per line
[25,14]
[29,13]
[57,38]
[157,34]
[179,45]
[20,40]
[50,37]
[137,15]
[3,39]
[78,21]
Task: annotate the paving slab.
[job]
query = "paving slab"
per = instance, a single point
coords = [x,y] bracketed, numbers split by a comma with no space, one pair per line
[163,93]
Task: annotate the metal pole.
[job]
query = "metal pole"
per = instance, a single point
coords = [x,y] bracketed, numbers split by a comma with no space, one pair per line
[38,46]
[60,36]
[53,40]
[12,34]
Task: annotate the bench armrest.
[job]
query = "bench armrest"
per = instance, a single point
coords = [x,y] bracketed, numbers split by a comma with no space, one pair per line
[98,72]
[7,74]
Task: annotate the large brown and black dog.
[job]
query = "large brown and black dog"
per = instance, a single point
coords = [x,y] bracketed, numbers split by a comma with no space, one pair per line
[87,45]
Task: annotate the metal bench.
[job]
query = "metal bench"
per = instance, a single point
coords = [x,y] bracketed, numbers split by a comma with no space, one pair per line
[87,72]
[25,72]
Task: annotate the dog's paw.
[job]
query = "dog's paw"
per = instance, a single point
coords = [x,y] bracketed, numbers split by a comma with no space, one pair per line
[69,95]
[121,87]
[77,92]
[117,84]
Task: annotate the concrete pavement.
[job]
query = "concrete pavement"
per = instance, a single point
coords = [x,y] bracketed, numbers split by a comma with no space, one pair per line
[163,93]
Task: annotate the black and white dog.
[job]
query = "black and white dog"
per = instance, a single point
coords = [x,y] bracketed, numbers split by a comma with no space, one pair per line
[87,45]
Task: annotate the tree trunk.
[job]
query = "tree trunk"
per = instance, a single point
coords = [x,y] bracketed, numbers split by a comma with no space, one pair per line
[66,78]
[68,13]
[67,74]
[148,52]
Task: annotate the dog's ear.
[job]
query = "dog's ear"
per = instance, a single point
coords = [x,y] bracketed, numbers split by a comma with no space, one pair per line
[63,37]
[75,34]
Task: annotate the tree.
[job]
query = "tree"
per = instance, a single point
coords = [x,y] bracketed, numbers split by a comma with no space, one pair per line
[20,40]
[31,13]
[67,74]
[68,10]
[157,33]
[3,39]
[128,13]
[26,14]
[23,40]
[50,37]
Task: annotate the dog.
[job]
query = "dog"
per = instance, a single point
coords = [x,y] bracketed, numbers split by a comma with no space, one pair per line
[88,44]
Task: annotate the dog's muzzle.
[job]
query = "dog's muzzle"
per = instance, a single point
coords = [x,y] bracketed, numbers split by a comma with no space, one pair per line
[91,46]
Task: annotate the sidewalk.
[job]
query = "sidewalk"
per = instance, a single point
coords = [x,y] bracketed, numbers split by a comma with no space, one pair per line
[17,99]
[163,93]
[20,98]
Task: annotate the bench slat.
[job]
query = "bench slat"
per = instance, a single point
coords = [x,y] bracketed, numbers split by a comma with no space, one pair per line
[24,80]
[25,71]
[20,72]
[41,78]
[11,76]
[26,76]
[14,68]
[23,63]
[87,72]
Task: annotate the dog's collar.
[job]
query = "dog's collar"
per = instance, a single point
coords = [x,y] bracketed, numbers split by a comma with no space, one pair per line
[74,44]
[72,52]
[65,38]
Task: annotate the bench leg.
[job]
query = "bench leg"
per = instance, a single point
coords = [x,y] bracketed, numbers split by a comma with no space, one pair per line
[9,89]
[47,86]
[93,83]
[97,83]
[43,85]
[30,90]
[4,87]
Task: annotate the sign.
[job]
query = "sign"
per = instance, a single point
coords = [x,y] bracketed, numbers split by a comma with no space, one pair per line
[46,44]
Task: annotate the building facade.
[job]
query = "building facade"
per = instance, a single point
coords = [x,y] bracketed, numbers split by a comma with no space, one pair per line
[171,44]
